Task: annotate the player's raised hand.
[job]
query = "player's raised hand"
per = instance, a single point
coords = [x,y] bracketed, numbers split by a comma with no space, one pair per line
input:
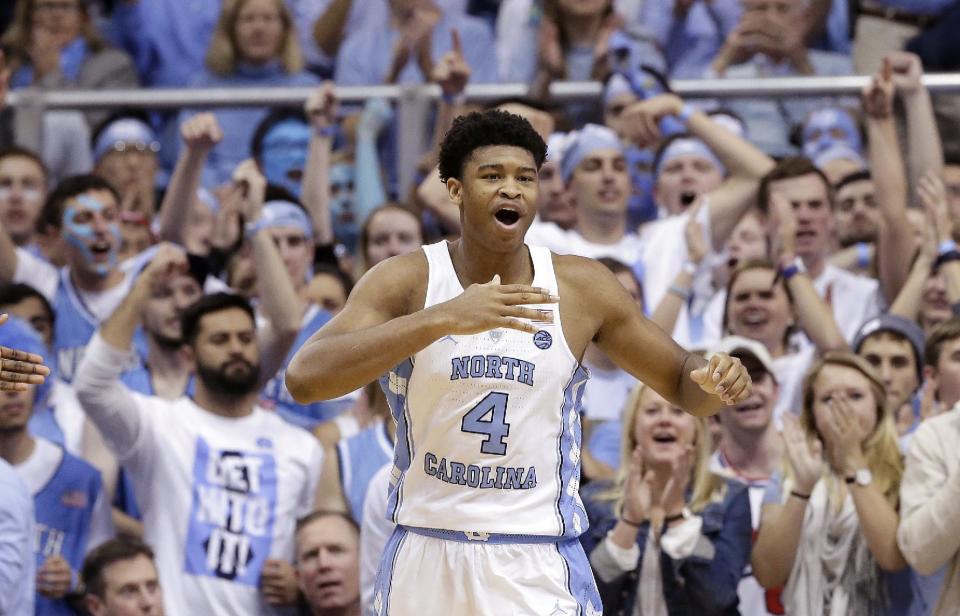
[484,307]
[724,377]
[201,132]
[19,369]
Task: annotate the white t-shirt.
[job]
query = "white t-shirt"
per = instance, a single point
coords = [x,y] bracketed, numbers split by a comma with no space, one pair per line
[605,393]
[627,249]
[374,534]
[790,370]
[219,495]
[853,299]
[69,416]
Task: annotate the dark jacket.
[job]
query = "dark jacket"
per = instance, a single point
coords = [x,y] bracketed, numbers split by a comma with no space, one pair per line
[703,584]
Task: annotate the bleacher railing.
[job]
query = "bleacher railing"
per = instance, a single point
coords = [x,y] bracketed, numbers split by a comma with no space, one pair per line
[413,101]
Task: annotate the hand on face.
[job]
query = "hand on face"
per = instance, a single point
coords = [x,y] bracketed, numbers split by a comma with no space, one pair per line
[844,436]
[724,377]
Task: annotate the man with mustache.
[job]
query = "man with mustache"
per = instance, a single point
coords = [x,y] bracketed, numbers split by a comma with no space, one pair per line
[220,481]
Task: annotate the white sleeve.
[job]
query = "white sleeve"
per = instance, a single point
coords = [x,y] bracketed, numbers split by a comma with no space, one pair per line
[113,409]
[101,523]
[374,534]
[307,503]
[37,273]
[680,541]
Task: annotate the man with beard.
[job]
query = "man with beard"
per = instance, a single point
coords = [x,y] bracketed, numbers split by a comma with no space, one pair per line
[220,481]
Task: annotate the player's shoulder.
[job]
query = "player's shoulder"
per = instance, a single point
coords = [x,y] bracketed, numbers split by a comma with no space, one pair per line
[395,280]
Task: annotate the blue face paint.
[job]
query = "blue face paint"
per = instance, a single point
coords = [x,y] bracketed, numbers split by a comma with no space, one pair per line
[828,127]
[284,154]
[342,205]
[81,235]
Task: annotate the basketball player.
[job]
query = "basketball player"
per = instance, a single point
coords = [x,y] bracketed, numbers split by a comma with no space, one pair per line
[481,340]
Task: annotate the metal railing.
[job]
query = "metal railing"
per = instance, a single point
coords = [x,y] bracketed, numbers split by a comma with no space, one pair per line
[413,101]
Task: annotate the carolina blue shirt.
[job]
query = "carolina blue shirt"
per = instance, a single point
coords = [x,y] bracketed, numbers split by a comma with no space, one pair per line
[690,44]
[360,457]
[17,566]
[239,123]
[365,57]
[167,39]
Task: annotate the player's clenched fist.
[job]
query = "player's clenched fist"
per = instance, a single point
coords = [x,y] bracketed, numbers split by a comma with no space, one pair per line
[483,307]
[724,377]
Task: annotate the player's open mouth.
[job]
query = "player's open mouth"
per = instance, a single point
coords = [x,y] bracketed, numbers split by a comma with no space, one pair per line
[687,198]
[507,217]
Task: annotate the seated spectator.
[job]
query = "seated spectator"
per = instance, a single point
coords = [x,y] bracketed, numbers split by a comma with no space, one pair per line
[55,44]
[72,512]
[668,536]
[254,45]
[23,189]
[328,564]
[750,448]
[927,534]
[690,33]
[120,578]
[768,41]
[17,538]
[894,347]
[406,48]
[216,442]
[828,527]
[125,149]
[569,40]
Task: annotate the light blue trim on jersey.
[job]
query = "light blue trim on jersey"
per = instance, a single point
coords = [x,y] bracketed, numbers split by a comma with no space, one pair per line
[394,385]
[580,582]
[360,457]
[481,537]
[573,518]
[384,582]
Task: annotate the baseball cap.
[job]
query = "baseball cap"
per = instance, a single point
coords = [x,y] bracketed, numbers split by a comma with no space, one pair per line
[745,349]
[898,325]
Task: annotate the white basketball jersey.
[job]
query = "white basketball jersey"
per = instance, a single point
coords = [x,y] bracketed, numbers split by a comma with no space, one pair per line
[488,425]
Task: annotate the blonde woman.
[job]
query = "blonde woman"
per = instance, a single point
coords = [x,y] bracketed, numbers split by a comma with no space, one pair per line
[828,531]
[668,536]
[254,45]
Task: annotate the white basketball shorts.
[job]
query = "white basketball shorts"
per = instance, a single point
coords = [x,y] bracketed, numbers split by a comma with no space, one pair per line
[427,576]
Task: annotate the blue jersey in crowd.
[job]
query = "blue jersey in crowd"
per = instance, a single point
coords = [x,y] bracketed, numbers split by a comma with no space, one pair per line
[360,457]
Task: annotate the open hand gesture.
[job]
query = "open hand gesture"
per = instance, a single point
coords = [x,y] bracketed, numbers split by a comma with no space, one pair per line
[484,307]
[724,377]
[452,72]
[253,186]
[805,456]
[933,196]
[844,435]
[693,233]
[638,489]
[19,369]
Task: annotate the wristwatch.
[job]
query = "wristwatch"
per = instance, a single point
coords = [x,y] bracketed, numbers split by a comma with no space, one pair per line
[862,478]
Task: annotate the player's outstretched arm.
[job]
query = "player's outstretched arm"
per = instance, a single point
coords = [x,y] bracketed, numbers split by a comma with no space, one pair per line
[644,350]
[384,323]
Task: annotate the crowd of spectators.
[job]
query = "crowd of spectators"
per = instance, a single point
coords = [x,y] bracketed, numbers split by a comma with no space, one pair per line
[169,264]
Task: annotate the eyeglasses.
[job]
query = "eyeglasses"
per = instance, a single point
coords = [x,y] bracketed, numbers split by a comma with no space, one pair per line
[51,7]
[134,146]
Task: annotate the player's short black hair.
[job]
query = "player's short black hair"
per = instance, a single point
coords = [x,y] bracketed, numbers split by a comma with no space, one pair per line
[108,553]
[481,129]
[208,304]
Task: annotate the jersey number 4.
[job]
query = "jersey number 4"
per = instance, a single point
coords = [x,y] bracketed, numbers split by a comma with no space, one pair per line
[489,417]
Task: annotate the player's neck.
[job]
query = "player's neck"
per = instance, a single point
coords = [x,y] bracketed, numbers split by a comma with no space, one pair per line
[601,227]
[16,446]
[231,406]
[751,454]
[475,264]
